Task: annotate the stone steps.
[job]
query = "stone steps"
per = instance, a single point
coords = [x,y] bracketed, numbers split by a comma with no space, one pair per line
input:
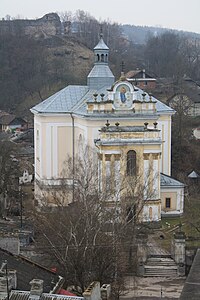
[160,266]
[160,273]
[161,262]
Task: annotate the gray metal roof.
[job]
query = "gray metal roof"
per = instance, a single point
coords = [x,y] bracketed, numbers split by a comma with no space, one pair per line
[167,181]
[160,106]
[74,98]
[101,70]
[99,76]
[193,174]
[63,101]
[101,45]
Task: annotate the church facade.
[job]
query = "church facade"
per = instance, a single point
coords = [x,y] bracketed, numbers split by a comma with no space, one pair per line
[130,130]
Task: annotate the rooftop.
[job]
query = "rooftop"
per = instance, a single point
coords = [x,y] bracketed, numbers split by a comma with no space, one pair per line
[101,45]
[167,181]
[28,270]
[74,99]
[22,295]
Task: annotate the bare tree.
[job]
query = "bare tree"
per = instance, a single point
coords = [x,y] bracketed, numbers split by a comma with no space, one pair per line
[93,238]
[66,16]
[8,177]
[163,55]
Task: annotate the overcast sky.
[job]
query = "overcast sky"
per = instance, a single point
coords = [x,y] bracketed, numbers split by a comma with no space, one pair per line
[175,14]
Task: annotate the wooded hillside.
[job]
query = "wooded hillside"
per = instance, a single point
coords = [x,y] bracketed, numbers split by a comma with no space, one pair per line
[34,67]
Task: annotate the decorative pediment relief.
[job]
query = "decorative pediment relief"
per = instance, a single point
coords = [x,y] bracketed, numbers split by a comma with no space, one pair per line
[122,95]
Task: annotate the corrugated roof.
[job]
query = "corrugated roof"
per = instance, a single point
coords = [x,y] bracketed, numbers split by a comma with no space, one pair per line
[24,295]
[59,297]
[168,181]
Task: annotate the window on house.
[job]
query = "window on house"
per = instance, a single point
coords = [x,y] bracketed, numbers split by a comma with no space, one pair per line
[102,57]
[168,202]
[131,163]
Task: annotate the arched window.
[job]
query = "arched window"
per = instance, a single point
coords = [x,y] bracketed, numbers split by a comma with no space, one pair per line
[131,163]
[98,58]
[131,213]
[102,57]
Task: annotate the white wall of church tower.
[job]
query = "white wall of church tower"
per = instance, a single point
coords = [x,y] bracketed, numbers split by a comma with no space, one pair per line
[151,213]
[164,125]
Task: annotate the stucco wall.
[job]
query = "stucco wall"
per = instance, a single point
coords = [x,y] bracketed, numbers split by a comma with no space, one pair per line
[56,140]
[177,199]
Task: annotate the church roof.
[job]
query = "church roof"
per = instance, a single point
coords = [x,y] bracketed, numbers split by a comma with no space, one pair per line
[62,101]
[168,181]
[101,71]
[73,98]
[101,45]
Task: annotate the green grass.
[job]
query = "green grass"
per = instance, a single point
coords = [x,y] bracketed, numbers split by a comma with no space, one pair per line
[192,234]
[172,221]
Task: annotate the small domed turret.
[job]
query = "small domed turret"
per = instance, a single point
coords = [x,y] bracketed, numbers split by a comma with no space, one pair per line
[101,74]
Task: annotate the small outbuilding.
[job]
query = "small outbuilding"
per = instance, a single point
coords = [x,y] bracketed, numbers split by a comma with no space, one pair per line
[172,196]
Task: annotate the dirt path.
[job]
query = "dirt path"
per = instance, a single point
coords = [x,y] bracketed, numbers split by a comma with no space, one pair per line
[153,288]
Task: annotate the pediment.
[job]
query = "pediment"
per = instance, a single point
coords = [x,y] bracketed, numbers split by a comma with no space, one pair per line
[122,95]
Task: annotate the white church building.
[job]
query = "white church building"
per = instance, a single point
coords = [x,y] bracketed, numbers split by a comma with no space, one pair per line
[130,130]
